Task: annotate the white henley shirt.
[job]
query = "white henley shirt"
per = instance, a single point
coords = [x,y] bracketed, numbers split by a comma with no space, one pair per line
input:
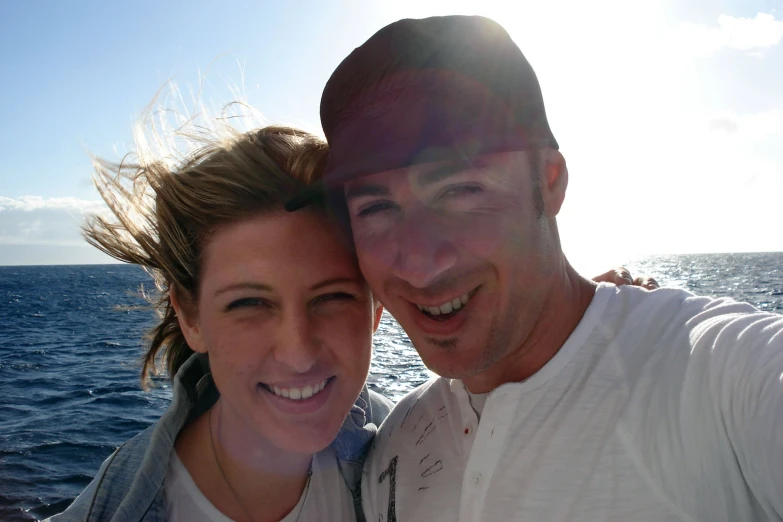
[661,406]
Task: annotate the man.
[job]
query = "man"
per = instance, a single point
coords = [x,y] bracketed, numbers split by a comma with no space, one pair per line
[558,399]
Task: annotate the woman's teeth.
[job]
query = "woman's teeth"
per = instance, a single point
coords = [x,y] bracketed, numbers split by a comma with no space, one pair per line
[447,307]
[299,393]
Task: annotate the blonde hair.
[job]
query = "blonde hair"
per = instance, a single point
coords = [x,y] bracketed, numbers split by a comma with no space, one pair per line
[165,205]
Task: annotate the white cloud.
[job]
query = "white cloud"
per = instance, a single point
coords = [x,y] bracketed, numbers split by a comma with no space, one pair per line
[29,203]
[741,34]
[33,220]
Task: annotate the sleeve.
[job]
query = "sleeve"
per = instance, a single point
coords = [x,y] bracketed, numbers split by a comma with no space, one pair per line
[80,508]
[704,419]
[748,352]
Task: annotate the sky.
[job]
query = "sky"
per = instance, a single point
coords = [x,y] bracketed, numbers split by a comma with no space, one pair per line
[669,114]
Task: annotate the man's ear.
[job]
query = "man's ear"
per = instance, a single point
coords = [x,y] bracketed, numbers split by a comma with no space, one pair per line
[554,181]
[378,314]
[187,318]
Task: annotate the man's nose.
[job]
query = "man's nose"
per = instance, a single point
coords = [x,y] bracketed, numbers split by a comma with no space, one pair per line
[424,250]
[296,346]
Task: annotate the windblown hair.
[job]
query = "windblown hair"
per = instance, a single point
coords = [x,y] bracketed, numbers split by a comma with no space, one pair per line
[165,204]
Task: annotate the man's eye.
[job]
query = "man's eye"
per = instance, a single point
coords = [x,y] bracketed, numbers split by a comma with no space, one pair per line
[247,302]
[375,208]
[461,191]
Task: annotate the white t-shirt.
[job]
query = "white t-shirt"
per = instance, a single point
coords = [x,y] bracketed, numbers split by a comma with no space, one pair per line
[327,498]
[661,406]
[477,401]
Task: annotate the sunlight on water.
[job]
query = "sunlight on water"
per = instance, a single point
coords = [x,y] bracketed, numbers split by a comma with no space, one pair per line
[396,367]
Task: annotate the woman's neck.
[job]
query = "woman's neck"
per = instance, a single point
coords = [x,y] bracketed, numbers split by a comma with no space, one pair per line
[239,471]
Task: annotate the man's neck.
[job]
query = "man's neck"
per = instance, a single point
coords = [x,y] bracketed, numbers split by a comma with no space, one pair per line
[561,313]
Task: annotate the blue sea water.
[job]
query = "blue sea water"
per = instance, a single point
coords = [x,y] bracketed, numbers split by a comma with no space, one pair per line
[71,338]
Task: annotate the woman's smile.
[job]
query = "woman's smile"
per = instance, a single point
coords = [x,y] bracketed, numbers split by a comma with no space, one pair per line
[307,399]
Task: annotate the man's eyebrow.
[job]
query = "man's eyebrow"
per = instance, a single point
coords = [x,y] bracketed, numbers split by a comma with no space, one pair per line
[333,281]
[442,172]
[365,189]
[430,177]
[243,286]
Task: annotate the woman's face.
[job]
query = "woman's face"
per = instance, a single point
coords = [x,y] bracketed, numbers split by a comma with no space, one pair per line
[287,320]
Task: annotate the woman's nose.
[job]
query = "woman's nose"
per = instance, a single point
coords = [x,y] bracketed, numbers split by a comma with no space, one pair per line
[296,346]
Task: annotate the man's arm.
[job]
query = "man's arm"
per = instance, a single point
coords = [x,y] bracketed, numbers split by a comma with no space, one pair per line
[705,409]
[752,403]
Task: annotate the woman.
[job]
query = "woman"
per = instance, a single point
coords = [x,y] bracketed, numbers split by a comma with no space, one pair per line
[266,325]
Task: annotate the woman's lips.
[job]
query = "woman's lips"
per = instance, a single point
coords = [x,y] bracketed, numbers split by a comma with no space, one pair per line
[297,402]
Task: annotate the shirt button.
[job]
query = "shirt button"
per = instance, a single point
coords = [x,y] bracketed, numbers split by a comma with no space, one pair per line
[477,478]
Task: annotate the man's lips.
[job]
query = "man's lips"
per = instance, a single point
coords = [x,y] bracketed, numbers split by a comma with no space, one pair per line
[444,305]
[443,319]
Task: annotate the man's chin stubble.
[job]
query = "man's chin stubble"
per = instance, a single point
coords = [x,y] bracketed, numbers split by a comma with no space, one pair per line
[445,344]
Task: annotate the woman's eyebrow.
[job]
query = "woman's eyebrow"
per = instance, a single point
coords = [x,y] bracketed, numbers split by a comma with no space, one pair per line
[334,281]
[243,286]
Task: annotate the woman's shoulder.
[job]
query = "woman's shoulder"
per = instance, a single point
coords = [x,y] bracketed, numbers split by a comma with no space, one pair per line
[379,409]
[360,425]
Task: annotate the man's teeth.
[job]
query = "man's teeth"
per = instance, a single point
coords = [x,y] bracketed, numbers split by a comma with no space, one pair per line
[300,393]
[447,307]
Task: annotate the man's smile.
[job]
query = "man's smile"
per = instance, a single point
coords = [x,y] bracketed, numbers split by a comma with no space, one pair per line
[447,307]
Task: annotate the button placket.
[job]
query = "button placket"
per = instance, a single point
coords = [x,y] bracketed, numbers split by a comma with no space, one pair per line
[488,439]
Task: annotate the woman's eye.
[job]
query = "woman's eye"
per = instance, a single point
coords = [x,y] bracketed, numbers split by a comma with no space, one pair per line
[335,296]
[247,302]
[375,208]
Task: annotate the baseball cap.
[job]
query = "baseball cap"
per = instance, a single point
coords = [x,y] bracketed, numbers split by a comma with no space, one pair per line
[422,90]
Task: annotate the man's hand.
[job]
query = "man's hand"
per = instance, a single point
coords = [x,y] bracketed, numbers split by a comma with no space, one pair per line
[622,276]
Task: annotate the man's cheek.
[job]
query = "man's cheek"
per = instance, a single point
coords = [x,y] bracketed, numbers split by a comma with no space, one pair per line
[483,242]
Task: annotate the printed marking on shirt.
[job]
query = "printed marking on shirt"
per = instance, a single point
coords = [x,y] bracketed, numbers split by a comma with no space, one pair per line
[407,413]
[417,422]
[427,431]
[391,472]
[444,415]
[436,467]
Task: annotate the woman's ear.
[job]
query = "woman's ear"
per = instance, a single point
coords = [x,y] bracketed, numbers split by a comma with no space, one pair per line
[554,182]
[188,320]
[378,313]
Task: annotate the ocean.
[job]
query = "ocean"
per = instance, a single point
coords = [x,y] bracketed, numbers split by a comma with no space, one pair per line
[71,338]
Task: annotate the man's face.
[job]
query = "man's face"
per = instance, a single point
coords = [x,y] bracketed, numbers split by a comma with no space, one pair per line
[459,253]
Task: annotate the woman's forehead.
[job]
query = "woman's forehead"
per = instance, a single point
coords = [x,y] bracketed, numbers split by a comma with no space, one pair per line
[304,245]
